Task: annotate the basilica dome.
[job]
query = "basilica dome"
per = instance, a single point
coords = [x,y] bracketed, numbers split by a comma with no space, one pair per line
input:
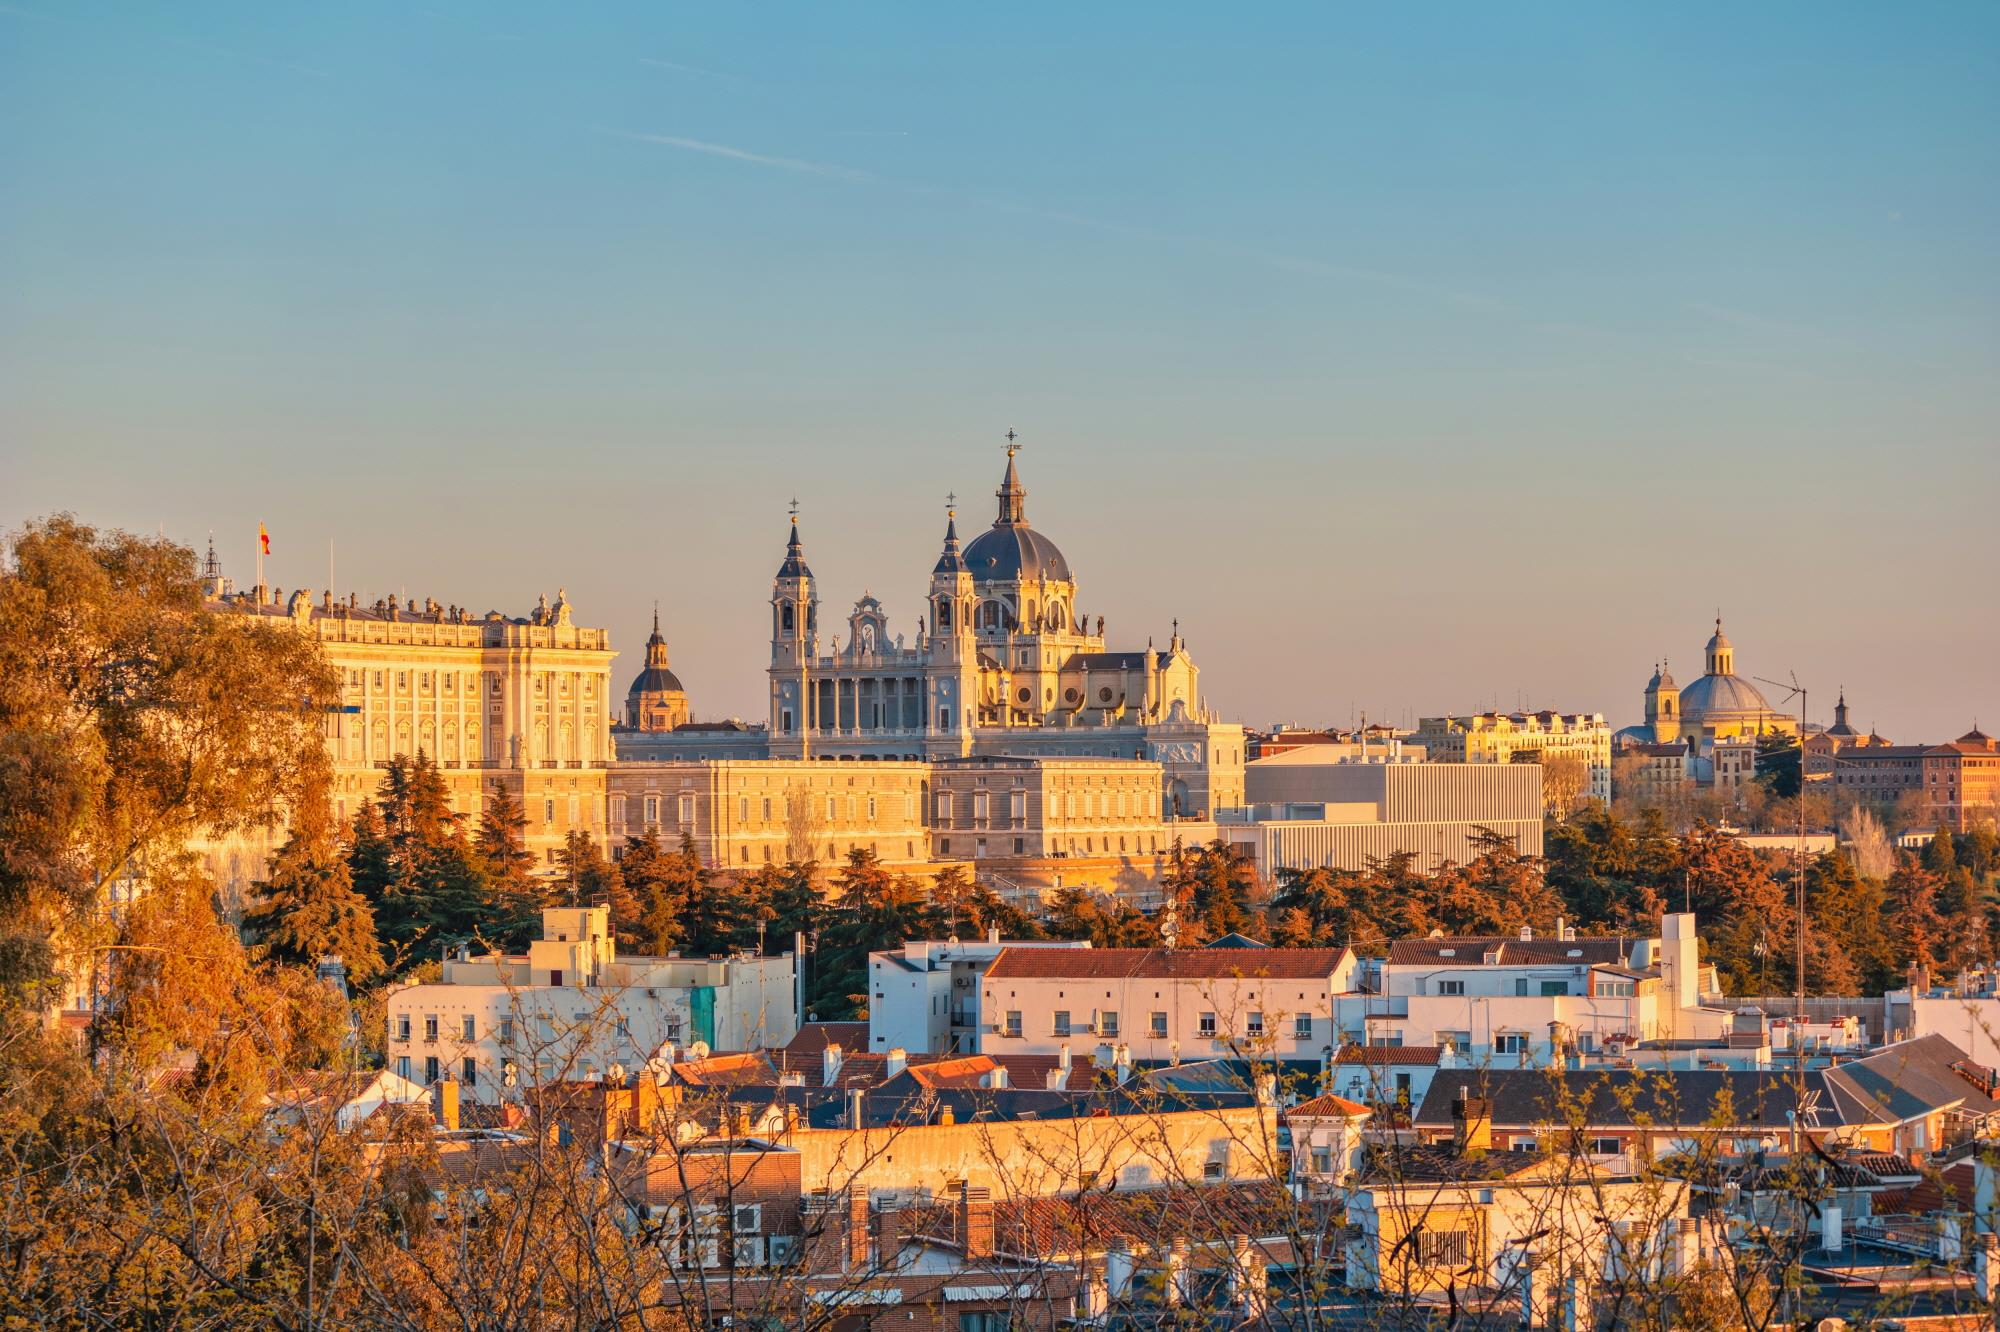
[1721,696]
[1010,550]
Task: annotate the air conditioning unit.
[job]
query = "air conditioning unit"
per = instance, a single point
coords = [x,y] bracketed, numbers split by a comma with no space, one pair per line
[749,1218]
[749,1250]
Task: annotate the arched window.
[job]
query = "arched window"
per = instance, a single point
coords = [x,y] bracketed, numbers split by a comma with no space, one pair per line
[785,617]
[943,616]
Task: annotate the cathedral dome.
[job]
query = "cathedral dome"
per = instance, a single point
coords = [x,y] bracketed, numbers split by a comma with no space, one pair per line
[1720,696]
[1010,550]
[1007,552]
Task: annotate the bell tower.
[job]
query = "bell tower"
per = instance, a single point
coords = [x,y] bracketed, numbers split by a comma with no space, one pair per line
[794,643]
[1663,706]
[951,654]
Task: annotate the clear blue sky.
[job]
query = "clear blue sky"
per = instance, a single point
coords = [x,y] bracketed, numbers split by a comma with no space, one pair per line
[1416,357]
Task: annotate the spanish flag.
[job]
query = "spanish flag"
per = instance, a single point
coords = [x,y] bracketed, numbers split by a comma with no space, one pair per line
[263,539]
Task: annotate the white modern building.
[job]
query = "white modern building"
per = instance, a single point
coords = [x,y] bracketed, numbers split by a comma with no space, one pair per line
[571,1008]
[1519,1000]
[924,996]
[1304,812]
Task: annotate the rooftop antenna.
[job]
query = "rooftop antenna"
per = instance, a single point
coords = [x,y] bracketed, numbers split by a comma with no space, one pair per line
[1798,691]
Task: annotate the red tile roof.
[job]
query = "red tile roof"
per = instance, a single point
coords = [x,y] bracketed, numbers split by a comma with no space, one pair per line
[1165,963]
[814,1037]
[1328,1106]
[1408,1055]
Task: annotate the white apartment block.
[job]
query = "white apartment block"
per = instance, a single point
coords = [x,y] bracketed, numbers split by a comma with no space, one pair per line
[1517,1000]
[1165,1005]
[571,1008]
[924,996]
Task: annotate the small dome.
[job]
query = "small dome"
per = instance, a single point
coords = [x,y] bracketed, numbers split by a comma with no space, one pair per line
[656,680]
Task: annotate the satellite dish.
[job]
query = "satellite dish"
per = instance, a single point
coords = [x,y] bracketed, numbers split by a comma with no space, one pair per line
[617,1072]
[510,1074]
[698,1050]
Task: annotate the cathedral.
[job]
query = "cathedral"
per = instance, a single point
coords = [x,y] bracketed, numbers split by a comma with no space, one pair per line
[1721,705]
[1003,661]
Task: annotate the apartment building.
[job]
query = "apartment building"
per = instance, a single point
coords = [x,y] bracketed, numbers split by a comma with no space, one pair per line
[572,1008]
[1521,1000]
[1524,737]
[924,996]
[1165,1005]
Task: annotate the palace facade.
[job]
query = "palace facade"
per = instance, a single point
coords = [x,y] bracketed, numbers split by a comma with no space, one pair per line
[523,701]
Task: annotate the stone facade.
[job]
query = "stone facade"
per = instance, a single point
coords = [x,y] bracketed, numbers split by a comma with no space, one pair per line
[521,701]
[745,814]
[1003,662]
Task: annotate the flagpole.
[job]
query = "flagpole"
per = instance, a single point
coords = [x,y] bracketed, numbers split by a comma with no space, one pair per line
[260,563]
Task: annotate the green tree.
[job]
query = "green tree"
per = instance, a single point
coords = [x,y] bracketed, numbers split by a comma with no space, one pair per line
[307,906]
[518,896]
[721,911]
[1083,913]
[874,909]
[660,883]
[1778,765]
[435,888]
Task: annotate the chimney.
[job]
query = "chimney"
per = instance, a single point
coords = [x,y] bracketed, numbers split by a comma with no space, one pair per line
[975,1221]
[1177,1272]
[1058,1078]
[1472,1123]
[1527,934]
[947,1116]
[892,1226]
[857,1107]
[444,1103]
[1062,1057]
[993,934]
[997,1077]
[899,1059]
[1248,1280]
[1121,1061]
[830,1064]
[1119,1268]
[857,1228]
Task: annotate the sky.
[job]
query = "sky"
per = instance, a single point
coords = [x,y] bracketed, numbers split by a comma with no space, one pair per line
[1417,358]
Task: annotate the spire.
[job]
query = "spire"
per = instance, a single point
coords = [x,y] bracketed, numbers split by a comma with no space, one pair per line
[795,553]
[1013,496]
[656,646]
[951,561]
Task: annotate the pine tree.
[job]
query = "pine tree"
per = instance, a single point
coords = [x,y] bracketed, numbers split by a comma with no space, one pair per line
[875,909]
[796,904]
[435,889]
[660,883]
[518,897]
[308,907]
[721,911]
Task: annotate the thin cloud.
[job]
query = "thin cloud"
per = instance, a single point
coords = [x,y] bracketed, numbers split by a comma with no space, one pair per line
[755,159]
[679,68]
